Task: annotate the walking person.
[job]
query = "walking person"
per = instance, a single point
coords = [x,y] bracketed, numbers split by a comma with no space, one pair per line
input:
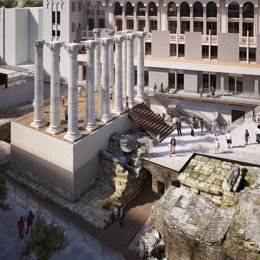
[20,226]
[162,88]
[192,131]
[201,124]
[201,92]
[126,102]
[121,216]
[111,92]
[172,145]
[257,120]
[212,91]
[66,113]
[257,134]
[30,219]
[247,136]
[217,145]
[154,87]
[229,139]
[63,99]
[253,115]
[179,127]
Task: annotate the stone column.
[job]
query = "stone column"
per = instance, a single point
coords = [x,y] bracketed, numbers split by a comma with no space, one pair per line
[90,122]
[73,133]
[38,117]
[97,61]
[111,33]
[140,66]
[130,68]
[118,97]
[105,100]
[55,125]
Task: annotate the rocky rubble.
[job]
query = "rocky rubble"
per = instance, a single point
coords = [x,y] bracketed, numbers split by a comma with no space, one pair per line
[120,167]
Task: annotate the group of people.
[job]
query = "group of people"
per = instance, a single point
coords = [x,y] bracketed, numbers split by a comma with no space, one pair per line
[256,119]
[21,224]
[118,215]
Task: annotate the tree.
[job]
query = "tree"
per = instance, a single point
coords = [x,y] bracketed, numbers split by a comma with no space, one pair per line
[29,3]
[3,194]
[8,3]
[45,240]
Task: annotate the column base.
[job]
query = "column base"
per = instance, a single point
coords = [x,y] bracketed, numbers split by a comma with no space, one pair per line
[140,99]
[90,126]
[72,137]
[106,118]
[38,124]
[131,104]
[118,111]
[54,130]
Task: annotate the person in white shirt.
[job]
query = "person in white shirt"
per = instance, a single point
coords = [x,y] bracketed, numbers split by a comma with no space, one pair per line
[229,139]
[217,145]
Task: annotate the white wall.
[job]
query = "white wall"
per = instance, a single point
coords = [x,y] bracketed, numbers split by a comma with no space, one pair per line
[2,35]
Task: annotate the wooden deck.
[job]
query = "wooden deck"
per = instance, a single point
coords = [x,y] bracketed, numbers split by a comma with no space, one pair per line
[26,120]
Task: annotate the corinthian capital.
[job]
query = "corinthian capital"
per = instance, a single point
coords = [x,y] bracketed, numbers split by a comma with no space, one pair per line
[39,43]
[118,40]
[54,47]
[130,36]
[97,32]
[141,35]
[105,42]
[72,48]
[111,32]
[90,45]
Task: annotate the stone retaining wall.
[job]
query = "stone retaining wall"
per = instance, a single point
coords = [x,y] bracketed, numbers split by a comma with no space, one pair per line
[5,130]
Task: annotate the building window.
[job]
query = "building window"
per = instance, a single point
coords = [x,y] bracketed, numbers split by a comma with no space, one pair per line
[185,26]
[248,27]
[152,11]
[141,25]
[129,9]
[101,23]
[212,26]
[91,24]
[118,9]
[233,27]
[79,6]
[146,78]
[248,10]
[172,9]
[171,80]
[119,24]
[58,33]
[53,33]
[180,81]
[242,54]
[185,9]
[130,24]
[233,10]
[214,52]
[181,50]
[53,17]
[252,54]
[235,84]
[172,26]
[58,17]
[205,52]
[173,50]
[153,25]
[198,10]
[198,27]
[148,48]
[211,10]
[73,6]
[140,9]
[73,27]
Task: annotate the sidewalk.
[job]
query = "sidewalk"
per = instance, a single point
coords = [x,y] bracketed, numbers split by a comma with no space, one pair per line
[98,242]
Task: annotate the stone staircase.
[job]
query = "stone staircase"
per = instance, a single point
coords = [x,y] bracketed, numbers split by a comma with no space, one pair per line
[180,109]
[150,122]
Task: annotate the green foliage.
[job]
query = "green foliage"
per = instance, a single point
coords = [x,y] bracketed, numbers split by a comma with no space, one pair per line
[45,240]
[3,194]
[20,3]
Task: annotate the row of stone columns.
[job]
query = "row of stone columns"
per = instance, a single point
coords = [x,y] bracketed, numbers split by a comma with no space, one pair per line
[93,48]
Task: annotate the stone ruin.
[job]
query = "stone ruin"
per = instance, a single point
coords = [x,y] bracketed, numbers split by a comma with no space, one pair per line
[120,167]
[195,224]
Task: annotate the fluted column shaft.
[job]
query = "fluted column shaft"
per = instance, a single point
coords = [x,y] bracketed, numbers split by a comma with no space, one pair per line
[111,33]
[118,107]
[90,122]
[38,118]
[140,66]
[105,100]
[73,133]
[124,67]
[55,124]
[130,68]
[97,61]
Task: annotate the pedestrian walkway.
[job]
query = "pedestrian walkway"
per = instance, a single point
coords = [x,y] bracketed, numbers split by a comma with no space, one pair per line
[204,143]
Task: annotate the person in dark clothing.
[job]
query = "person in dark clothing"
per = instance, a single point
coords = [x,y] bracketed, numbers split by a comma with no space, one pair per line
[121,216]
[20,226]
[201,124]
[66,113]
[179,127]
[192,131]
[30,219]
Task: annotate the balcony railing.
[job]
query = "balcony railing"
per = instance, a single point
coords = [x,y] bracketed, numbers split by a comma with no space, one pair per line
[87,35]
[247,40]
[181,38]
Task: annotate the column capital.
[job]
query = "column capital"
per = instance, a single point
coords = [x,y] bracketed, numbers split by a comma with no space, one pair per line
[72,48]
[124,32]
[90,44]
[118,39]
[54,47]
[141,35]
[111,32]
[97,32]
[105,42]
[130,36]
[39,43]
